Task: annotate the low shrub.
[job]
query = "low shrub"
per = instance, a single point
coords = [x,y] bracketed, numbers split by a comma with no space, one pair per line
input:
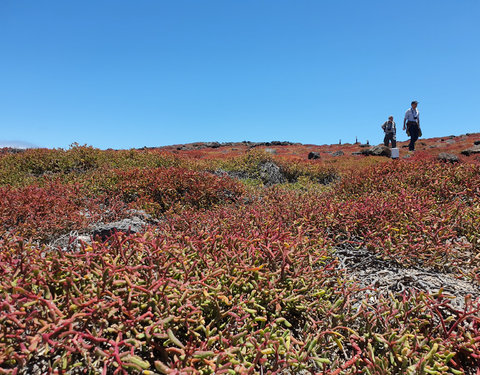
[161,189]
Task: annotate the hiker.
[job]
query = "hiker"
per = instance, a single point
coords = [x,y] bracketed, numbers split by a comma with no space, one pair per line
[390,131]
[412,124]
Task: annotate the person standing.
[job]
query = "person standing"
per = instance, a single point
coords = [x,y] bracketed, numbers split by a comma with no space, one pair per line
[390,130]
[412,124]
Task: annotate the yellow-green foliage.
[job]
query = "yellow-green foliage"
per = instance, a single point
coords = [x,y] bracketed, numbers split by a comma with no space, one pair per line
[36,164]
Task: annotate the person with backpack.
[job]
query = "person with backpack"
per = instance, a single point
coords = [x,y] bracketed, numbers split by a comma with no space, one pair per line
[390,130]
[412,123]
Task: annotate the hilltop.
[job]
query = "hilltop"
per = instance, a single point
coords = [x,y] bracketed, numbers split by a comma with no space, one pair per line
[453,144]
[427,147]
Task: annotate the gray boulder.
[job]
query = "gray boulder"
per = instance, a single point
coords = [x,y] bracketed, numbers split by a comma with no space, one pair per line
[74,241]
[338,153]
[128,226]
[470,151]
[313,155]
[268,172]
[448,158]
[212,144]
[271,174]
[380,150]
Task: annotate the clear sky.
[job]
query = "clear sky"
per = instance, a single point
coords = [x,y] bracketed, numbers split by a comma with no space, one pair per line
[124,74]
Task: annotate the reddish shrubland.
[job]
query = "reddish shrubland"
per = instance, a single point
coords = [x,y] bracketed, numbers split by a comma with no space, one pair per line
[238,279]
[43,212]
[161,189]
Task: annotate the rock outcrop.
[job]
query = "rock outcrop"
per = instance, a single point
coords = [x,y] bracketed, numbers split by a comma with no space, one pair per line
[388,276]
[313,155]
[135,223]
[128,226]
[471,151]
[268,172]
[271,174]
[380,150]
[449,158]
[203,145]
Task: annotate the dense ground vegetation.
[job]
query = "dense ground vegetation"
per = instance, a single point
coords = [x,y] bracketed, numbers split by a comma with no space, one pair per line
[232,276]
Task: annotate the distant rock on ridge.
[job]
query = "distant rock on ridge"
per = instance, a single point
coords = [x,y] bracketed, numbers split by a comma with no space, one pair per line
[203,145]
[313,155]
[450,158]
[472,150]
[380,150]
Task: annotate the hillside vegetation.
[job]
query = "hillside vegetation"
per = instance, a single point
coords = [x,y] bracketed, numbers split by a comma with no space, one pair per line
[244,259]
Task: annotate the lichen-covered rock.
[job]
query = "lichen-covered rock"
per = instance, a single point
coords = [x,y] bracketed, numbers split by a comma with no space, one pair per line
[380,150]
[471,151]
[130,225]
[268,172]
[271,174]
[450,158]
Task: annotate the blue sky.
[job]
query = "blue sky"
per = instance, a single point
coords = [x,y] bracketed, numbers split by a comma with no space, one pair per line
[126,74]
